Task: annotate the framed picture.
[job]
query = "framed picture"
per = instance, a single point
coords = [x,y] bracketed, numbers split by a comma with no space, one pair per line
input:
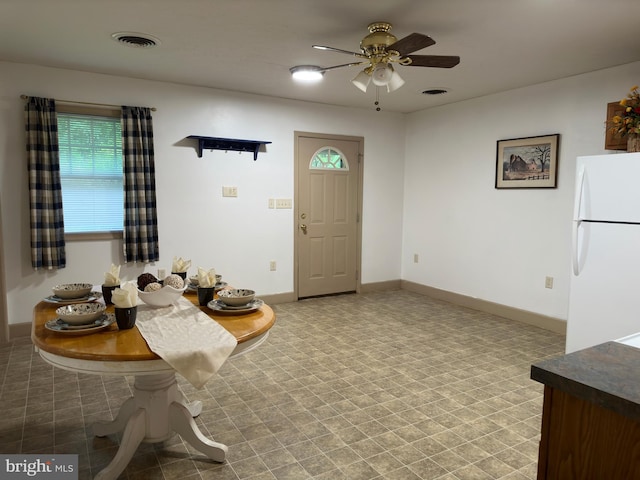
[613,141]
[530,162]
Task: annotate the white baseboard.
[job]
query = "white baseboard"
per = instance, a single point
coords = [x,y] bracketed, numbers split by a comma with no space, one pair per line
[276,298]
[19,330]
[523,316]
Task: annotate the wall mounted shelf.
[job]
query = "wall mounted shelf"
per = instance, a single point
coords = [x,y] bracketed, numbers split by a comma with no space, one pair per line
[236,145]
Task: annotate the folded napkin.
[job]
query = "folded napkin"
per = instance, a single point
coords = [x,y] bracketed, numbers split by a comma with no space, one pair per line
[179,265]
[186,338]
[112,277]
[126,296]
[206,279]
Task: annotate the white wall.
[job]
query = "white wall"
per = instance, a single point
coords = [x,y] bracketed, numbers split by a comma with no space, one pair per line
[499,245]
[238,237]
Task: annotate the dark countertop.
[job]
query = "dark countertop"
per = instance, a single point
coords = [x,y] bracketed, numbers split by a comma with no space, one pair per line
[607,375]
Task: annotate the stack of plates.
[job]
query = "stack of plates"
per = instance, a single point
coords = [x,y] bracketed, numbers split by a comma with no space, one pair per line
[60,326]
[220,307]
[91,297]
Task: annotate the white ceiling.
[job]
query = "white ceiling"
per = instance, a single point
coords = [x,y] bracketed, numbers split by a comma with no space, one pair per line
[249,45]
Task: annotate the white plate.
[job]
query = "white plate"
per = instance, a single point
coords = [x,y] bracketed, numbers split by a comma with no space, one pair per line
[92,297]
[60,326]
[220,307]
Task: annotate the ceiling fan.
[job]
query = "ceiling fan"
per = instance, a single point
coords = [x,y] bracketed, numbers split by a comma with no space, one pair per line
[380,49]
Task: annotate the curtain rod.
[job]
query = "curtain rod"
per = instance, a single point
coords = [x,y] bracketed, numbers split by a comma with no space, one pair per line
[24,97]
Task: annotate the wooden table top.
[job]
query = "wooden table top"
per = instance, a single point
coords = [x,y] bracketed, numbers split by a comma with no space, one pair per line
[112,344]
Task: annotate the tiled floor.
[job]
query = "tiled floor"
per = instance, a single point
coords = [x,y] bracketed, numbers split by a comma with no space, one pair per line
[370,386]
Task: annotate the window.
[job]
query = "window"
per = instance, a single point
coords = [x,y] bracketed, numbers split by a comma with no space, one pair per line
[91,171]
[328,157]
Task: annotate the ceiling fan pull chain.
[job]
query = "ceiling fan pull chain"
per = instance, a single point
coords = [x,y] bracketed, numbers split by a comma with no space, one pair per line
[377,102]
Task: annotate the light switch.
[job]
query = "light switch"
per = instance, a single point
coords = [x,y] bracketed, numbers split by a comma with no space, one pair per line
[284,203]
[229,191]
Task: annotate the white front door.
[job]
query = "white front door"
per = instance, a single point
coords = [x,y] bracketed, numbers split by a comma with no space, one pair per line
[327,213]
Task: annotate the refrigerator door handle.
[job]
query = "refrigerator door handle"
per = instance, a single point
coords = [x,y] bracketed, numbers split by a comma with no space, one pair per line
[577,201]
[575,258]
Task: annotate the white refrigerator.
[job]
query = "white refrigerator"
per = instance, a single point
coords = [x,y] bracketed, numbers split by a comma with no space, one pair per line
[604,298]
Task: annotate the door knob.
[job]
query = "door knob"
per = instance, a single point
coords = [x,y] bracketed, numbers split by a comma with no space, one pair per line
[303,227]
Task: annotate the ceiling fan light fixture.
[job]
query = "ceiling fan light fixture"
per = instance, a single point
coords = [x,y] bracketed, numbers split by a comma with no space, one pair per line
[395,82]
[307,73]
[382,74]
[362,80]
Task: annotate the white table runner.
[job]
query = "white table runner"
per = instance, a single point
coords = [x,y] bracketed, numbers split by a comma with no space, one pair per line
[186,338]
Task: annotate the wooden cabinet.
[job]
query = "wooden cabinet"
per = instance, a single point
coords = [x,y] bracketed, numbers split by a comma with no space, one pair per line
[582,440]
[591,414]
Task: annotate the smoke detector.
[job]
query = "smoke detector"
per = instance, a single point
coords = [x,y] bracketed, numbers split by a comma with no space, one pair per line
[136,40]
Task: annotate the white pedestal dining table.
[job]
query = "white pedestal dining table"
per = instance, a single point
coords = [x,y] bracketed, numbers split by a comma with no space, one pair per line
[157,410]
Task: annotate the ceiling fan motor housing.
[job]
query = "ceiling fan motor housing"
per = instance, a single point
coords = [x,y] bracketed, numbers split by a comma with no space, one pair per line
[378,40]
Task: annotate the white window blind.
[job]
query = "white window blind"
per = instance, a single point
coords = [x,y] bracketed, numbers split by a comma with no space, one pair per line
[91,173]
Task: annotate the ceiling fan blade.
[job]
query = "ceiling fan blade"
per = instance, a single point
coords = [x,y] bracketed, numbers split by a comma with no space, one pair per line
[411,43]
[340,66]
[438,61]
[339,50]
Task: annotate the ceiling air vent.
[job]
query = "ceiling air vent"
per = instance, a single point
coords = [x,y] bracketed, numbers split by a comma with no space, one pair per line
[434,91]
[137,40]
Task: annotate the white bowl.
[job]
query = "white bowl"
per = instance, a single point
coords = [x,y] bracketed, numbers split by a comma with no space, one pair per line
[164,297]
[72,290]
[80,313]
[236,297]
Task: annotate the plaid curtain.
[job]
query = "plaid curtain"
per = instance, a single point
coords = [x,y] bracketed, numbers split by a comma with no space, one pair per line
[140,218]
[45,192]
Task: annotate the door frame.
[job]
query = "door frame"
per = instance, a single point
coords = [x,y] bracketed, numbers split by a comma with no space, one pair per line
[296,196]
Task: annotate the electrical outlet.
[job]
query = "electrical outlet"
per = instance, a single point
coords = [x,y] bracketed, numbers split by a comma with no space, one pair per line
[548,282]
[229,191]
[272,266]
[415,258]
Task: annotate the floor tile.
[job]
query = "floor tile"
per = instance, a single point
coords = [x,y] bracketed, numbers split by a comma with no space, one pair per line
[366,386]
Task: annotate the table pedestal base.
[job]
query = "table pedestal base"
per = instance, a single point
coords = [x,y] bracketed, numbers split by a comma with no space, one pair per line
[155,413]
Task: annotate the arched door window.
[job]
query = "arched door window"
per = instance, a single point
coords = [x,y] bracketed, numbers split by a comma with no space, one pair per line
[328,158]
